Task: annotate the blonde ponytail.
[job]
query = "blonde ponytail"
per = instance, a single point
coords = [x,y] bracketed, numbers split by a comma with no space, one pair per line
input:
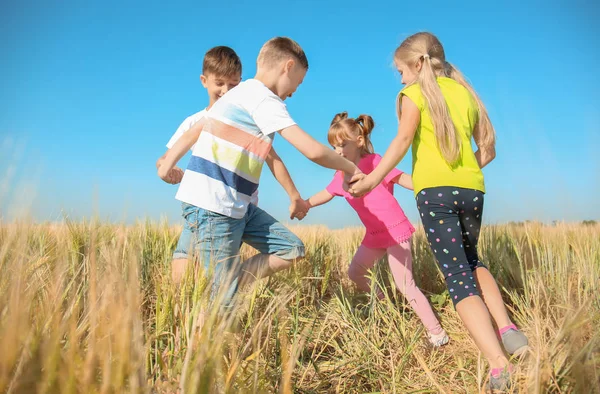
[487,134]
[427,49]
[445,132]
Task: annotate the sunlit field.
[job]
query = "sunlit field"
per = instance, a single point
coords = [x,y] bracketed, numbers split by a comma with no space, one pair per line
[89,307]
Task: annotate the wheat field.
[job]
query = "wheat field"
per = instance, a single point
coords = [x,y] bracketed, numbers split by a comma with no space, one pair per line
[89,307]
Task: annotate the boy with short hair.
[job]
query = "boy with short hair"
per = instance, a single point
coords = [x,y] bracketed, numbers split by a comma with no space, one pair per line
[221,71]
[233,141]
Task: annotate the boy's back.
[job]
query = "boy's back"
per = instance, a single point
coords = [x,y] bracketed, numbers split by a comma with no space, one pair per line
[226,163]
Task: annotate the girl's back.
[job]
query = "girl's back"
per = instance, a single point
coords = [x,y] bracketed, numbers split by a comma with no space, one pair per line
[430,169]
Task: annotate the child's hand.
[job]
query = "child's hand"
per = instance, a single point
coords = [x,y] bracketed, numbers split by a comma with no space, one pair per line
[298,208]
[351,178]
[172,176]
[359,185]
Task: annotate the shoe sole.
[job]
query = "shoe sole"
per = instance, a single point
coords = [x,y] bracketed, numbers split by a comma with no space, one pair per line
[520,351]
[436,346]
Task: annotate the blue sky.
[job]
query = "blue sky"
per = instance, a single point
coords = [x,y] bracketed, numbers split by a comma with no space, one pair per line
[92,91]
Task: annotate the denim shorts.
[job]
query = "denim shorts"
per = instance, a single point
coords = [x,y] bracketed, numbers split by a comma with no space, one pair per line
[216,239]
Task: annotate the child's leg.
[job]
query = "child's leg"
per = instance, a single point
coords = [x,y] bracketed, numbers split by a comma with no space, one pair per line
[217,245]
[400,260]
[470,217]
[279,248]
[178,268]
[514,341]
[362,262]
[440,213]
[181,255]
[492,297]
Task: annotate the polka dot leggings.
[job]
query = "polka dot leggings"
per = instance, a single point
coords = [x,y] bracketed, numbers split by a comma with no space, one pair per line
[451,218]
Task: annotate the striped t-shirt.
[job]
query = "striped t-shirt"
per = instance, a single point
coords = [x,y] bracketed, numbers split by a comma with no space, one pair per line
[227,160]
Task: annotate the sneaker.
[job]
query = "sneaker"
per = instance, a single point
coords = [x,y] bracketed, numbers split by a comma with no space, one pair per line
[438,340]
[514,341]
[499,380]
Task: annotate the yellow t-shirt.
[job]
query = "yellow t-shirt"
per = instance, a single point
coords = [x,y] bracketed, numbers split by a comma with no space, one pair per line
[429,167]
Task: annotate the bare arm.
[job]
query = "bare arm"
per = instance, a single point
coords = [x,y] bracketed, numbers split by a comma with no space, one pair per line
[167,163]
[160,160]
[281,174]
[174,176]
[405,180]
[317,152]
[411,116]
[484,154]
[320,198]
[298,207]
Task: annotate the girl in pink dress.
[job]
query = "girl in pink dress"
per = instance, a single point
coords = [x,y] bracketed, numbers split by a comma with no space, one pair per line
[387,228]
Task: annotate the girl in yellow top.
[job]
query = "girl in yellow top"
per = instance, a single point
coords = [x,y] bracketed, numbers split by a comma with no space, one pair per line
[439,114]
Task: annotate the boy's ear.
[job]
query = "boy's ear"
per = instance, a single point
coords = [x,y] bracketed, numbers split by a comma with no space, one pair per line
[203,80]
[289,65]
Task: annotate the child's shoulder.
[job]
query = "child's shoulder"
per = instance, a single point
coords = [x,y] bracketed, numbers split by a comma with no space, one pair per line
[198,115]
[252,87]
[374,156]
[249,94]
[338,174]
[193,119]
[370,160]
[413,87]
[413,92]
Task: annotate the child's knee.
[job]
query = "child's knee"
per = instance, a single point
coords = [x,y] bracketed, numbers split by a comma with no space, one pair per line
[178,269]
[293,251]
[356,273]
[408,288]
[461,286]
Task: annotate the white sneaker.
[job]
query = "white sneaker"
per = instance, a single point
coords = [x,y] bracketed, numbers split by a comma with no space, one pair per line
[438,340]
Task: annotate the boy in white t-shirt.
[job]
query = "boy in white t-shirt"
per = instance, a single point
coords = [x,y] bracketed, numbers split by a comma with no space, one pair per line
[233,141]
[221,71]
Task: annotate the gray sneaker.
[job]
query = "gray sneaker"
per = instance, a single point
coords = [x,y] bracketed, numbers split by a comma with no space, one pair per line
[515,342]
[500,384]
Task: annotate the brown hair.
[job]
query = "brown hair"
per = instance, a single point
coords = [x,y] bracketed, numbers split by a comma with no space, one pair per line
[281,48]
[222,61]
[343,128]
[426,47]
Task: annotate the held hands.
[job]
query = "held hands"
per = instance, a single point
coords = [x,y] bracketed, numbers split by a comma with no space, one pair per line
[358,184]
[298,208]
[172,176]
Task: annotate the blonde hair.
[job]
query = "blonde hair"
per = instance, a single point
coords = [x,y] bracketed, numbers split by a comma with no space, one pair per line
[281,48]
[343,128]
[426,48]
[222,61]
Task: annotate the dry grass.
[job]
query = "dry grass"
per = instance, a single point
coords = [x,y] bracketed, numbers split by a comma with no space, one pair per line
[89,308]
